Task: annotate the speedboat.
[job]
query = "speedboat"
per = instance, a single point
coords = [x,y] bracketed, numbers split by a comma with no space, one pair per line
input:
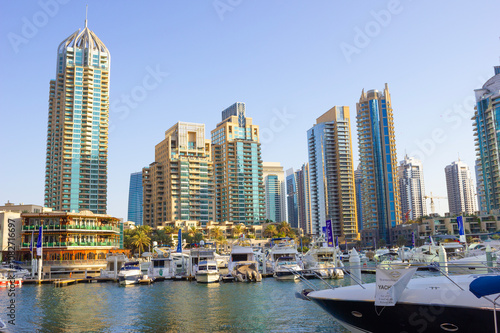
[8,278]
[432,304]
[16,269]
[284,259]
[207,272]
[130,273]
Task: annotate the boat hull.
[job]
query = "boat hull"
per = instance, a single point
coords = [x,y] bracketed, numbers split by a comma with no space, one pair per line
[6,283]
[129,279]
[363,316]
[207,277]
[285,275]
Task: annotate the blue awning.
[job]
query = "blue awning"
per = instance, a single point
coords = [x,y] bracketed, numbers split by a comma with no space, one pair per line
[485,285]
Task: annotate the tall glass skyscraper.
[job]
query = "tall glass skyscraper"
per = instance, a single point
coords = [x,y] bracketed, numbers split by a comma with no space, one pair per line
[378,163]
[460,187]
[331,173]
[238,173]
[486,134]
[135,198]
[274,184]
[292,198]
[298,198]
[77,136]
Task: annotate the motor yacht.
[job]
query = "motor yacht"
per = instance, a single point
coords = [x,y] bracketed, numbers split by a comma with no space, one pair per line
[162,265]
[207,272]
[243,264]
[284,259]
[323,261]
[130,273]
[114,262]
[432,304]
[7,277]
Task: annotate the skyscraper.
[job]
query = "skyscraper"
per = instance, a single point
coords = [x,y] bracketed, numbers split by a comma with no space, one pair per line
[274,183]
[412,189]
[331,174]
[135,198]
[378,162]
[239,187]
[358,183]
[292,200]
[179,184]
[486,128]
[77,136]
[461,196]
[481,200]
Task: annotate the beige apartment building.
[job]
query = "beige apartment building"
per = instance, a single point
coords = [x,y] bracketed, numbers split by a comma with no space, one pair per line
[179,184]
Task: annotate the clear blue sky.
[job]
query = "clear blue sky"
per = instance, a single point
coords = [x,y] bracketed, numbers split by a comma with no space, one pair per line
[293,58]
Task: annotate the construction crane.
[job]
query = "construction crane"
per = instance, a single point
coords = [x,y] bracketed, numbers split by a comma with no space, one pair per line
[432,197]
[406,215]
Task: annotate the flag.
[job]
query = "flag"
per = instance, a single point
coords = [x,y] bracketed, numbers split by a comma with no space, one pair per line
[461,231]
[337,241]
[31,243]
[413,238]
[329,233]
[179,242]
[39,243]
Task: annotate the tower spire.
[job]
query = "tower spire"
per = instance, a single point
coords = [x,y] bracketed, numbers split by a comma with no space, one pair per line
[86,14]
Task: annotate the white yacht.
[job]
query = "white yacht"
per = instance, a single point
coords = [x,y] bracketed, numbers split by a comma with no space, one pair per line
[433,304]
[114,263]
[207,272]
[162,265]
[284,259]
[243,264]
[198,255]
[130,273]
[323,261]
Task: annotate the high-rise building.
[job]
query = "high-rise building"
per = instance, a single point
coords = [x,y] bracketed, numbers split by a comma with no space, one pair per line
[239,187]
[461,196]
[486,128]
[481,200]
[378,163]
[77,135]
[292,198]
[358,183]
[179,184]
[274,184]
[135,198]
[412,189]
[331,174]
[299,198]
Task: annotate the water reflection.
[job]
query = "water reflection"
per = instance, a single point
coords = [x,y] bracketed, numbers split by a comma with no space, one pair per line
[173,306]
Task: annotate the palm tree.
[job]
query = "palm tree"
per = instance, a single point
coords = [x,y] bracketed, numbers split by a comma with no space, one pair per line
[140,240]
[284,228]
[168,230]
[270,230]
[216,232]
[192,231]
[145,228]
[238,229]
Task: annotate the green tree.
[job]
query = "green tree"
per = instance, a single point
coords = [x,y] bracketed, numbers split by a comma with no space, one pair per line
[270,230]
[238,230]
[284,228]
[140,240]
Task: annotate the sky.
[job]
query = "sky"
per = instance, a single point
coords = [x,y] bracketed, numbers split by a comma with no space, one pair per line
[289,61]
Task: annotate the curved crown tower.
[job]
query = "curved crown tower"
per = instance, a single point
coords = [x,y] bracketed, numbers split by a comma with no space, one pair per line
[77,134]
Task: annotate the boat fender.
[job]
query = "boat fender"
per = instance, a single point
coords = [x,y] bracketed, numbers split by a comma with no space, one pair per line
[155,255]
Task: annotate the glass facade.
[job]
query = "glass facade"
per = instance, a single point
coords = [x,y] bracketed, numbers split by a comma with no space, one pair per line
[487,136]
[239,187]
[378,163]
[77,137]
[331,174]
[135,198]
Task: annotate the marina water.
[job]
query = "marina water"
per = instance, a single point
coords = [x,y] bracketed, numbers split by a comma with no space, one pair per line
[170,306]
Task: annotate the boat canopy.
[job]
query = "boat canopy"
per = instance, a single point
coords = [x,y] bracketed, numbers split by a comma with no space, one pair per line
[485,285]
